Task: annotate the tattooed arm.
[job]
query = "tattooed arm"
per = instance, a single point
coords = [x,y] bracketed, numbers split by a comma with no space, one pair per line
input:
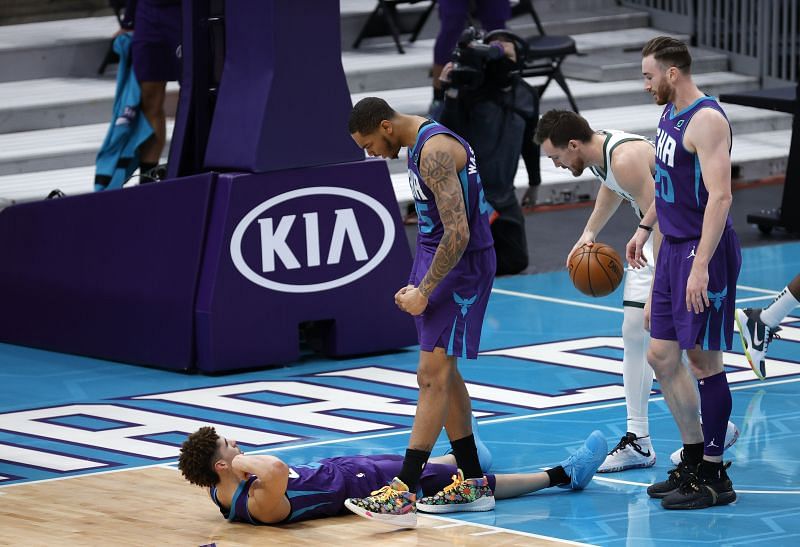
[440,160]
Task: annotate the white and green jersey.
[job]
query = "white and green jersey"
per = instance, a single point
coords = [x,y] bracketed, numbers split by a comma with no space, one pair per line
[613,139]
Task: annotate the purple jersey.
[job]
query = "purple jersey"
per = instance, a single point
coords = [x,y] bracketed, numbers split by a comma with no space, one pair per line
[430,224]
[319,489]
[681,194]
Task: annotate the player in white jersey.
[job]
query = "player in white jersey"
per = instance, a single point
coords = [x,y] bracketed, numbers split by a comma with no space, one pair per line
[624,163]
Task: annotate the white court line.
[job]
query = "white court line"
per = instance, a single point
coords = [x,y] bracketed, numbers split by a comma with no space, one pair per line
[644,485]
[507,530]
[556,300]
[754,298]
[757,289]
[767,295]
[490,532]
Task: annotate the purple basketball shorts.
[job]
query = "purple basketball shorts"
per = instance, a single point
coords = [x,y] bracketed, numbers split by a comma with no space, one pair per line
[454,316]
[669,318]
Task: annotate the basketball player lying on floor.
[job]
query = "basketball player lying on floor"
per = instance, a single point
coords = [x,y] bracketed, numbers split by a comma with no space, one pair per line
[262,489]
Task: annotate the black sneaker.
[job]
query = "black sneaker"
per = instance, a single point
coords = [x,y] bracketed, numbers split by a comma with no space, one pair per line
[709,487]
[675,478]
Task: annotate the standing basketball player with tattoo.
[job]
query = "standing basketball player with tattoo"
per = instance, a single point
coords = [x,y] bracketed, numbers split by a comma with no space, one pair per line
[447,293]
[694,291]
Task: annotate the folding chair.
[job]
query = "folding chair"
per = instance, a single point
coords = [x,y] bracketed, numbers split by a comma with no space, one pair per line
[546,53]
[385,20]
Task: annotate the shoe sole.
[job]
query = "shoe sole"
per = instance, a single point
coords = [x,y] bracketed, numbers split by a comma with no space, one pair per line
[746,347]
[619,468]
[661,495]
[485,503]
[407,520]
[723,499]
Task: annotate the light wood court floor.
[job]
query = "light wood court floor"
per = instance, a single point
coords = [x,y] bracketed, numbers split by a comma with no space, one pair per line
[154,506]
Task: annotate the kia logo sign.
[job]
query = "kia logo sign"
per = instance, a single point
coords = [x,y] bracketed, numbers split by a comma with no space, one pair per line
[277,231]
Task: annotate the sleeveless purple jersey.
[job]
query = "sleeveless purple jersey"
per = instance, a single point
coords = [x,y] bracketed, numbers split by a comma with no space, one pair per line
[429,223]
[681,194]
[319,489]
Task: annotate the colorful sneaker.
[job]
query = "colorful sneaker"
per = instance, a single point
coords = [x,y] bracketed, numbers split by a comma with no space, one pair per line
[710,486]
[675,478]
[392,504]
[755,336]
[631,452]
[731,435]
[460,495]
[484,454]
[582,465]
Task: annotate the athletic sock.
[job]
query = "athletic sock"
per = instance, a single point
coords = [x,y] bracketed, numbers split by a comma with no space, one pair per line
[715,406]
[773,314]
[466,454]
[557,476]
[413,464]
[693,453]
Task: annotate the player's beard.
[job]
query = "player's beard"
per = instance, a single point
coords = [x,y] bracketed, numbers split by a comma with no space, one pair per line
[663,93]
[577,168]
[394,149]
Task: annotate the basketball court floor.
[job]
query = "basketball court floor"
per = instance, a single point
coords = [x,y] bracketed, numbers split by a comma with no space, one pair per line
[87,447]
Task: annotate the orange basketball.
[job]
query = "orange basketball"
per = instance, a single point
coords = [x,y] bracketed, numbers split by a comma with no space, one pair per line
[595,270]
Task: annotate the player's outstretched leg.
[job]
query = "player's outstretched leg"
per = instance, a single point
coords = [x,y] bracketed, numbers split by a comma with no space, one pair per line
[582,465]
[460,495]
[392,504]
[731,436]
[708,487]
[755,336]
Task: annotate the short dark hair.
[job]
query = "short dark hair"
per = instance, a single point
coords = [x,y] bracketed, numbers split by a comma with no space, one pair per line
[669,52]
[367,115]
[562,126]
[198,454]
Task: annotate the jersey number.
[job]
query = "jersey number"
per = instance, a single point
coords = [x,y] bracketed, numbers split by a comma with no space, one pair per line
[425,222]
[664,188]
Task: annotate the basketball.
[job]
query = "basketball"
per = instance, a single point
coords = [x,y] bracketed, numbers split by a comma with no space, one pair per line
[595,270]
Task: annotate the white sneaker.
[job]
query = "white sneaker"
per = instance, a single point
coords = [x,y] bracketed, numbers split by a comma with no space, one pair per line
[631,452]
[731,435]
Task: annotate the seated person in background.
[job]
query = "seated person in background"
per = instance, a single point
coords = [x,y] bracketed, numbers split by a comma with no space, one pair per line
[262,489]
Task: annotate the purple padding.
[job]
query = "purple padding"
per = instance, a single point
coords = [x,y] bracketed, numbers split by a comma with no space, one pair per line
[283,100]
[269,265]
[110,274]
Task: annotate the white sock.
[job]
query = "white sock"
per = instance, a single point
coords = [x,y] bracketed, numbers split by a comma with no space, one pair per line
[780,308]
[637,376]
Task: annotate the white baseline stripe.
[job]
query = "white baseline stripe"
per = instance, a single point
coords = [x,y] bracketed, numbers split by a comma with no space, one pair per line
[644,485]
[556,300]
[768,294]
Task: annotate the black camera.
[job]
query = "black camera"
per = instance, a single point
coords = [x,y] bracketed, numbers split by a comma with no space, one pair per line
[477,62]
[470,59]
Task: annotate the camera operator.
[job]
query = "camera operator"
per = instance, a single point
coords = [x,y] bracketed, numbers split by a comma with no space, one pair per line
[490,105]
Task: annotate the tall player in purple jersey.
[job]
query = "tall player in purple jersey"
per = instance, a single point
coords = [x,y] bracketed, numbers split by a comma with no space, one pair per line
[694,292]
[447,293]
[261,489]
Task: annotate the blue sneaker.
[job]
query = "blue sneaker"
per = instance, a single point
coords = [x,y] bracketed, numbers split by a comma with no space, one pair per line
[484,454]
[583,464]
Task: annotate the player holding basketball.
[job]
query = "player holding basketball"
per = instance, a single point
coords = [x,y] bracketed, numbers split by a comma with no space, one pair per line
[694,291]
[447,293]
[263,489]
[624,163]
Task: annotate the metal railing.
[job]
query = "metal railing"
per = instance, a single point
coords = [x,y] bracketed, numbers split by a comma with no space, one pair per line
[760,37]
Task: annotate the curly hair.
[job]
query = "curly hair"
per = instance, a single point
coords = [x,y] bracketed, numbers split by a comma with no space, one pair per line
[367,115]
[198,453]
